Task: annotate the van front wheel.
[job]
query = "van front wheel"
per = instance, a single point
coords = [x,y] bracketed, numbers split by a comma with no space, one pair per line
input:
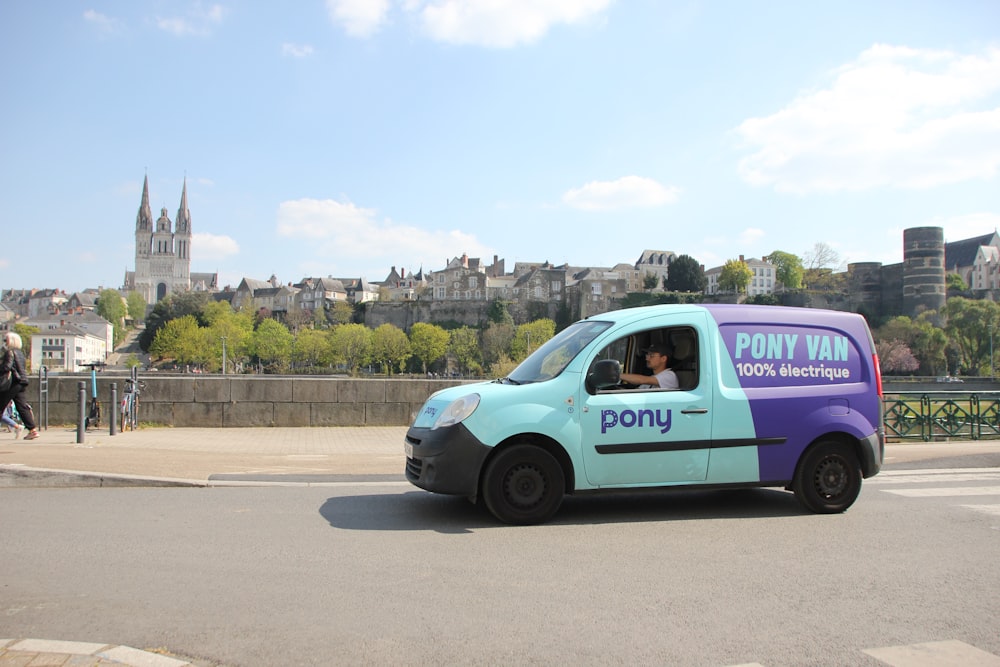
[828,479]
[523,484]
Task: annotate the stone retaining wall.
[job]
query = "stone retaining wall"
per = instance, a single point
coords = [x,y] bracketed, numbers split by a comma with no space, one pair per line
[247,400]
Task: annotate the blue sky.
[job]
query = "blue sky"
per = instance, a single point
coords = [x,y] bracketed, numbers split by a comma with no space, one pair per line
[349,136]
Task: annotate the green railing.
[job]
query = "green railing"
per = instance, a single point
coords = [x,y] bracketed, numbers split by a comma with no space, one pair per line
[940,415]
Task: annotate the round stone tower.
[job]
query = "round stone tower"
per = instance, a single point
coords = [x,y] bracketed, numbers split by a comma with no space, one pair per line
[923,270]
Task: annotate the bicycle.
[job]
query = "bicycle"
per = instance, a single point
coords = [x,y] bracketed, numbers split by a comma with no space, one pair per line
[130,403]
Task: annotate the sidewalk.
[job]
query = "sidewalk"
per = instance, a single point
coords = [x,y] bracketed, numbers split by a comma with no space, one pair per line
[202,456]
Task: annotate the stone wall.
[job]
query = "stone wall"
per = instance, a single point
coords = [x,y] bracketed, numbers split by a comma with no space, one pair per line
[247,400]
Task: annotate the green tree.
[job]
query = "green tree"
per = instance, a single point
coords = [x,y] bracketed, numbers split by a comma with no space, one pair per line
[463,346]
[428,342]
[735,276]
[496,342]
[685,275]
[111,306]
[340,312]
[499,312]
[271,343]
[312,347]
[171,307]
[650,281]
[234,330]
[788,268]
[924,340]
[954,283]
[179,339]
[969,328]
[135,304]
[351,345]
[390,347]
[530,336]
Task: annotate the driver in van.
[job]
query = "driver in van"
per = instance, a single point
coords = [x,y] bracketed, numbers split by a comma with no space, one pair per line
[656,359]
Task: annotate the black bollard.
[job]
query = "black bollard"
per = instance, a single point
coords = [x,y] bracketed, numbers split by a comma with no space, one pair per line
[81,423]
[114,409]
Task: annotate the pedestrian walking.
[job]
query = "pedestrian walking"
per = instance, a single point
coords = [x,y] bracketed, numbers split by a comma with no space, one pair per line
[11,420]
[13,364]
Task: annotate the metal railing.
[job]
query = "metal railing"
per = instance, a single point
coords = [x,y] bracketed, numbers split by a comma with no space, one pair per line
[941,415]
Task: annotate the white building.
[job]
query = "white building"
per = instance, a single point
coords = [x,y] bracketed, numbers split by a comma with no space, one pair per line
[66,349]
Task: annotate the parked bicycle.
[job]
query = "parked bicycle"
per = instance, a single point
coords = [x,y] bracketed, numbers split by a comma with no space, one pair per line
[130,402]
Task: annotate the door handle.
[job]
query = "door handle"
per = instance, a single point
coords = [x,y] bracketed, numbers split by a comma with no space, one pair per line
[695,411]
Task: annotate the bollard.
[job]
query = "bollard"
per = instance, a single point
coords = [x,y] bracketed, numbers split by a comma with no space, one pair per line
[114,409]
[81,423]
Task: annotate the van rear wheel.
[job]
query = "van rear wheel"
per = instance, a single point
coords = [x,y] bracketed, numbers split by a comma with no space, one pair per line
[828,479]
[523,484]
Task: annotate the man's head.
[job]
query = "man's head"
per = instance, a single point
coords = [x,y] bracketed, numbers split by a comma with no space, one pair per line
[656,357]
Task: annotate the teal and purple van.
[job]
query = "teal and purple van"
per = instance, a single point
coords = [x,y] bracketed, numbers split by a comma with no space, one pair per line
[768,397]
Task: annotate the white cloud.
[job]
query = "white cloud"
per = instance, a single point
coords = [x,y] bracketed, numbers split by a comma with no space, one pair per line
[342,230]
[896,117]
[105,24]
[211,246]
[489,23]
[626,192]
[360,18]
[296,50]
[493,23]
[198,22]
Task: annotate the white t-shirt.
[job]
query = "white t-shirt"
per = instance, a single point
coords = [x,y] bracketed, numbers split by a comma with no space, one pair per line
[666,378]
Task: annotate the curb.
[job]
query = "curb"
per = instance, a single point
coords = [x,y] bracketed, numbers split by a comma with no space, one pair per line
[30,651]
[11,476]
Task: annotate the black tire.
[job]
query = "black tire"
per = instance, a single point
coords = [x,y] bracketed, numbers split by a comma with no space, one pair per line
[828,479]
[523,484]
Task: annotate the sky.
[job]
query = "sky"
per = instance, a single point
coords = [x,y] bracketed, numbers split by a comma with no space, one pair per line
[347,137]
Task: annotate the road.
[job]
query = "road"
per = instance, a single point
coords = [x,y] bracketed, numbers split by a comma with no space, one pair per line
[387,574]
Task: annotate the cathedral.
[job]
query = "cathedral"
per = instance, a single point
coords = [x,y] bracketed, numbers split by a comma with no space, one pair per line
[163,253]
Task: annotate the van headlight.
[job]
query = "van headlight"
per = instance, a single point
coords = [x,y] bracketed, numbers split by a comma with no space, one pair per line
[458,411]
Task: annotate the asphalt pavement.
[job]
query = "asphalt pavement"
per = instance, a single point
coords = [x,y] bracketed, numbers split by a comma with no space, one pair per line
[254,456]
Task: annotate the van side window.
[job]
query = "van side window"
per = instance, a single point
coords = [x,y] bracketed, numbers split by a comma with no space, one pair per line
[682,346]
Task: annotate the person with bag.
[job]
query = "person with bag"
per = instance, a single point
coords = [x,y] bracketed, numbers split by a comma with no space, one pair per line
[14,380]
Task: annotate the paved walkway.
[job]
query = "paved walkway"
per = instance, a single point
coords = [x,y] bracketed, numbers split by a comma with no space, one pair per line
[214,456]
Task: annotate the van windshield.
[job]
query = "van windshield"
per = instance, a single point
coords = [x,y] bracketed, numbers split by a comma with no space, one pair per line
[551,358]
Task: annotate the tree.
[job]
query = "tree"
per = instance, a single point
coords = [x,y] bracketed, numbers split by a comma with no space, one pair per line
[171,307]
[390,347]
[135,304]
[529,337]
[735,276]
[925,341]
[895,357]
[650,281]
[111,306]
[788,269]
[179,339]
[496,342]
[954,283]
[428,343]
[351,345]
[271,343]
[340,312]
[312,347]
[685,275]
[499,312]
[233,330]
[463,345]
[971,326]
[822,256]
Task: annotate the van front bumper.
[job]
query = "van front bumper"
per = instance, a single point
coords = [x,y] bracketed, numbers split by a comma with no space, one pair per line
[445,460]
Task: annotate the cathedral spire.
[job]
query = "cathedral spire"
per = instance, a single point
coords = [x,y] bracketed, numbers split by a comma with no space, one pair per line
[183,225]
[144,219]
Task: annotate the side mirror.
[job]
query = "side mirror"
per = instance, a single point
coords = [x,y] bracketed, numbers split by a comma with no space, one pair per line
[603,374]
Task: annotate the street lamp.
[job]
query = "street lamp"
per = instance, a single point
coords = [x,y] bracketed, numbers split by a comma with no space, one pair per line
[223,354]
